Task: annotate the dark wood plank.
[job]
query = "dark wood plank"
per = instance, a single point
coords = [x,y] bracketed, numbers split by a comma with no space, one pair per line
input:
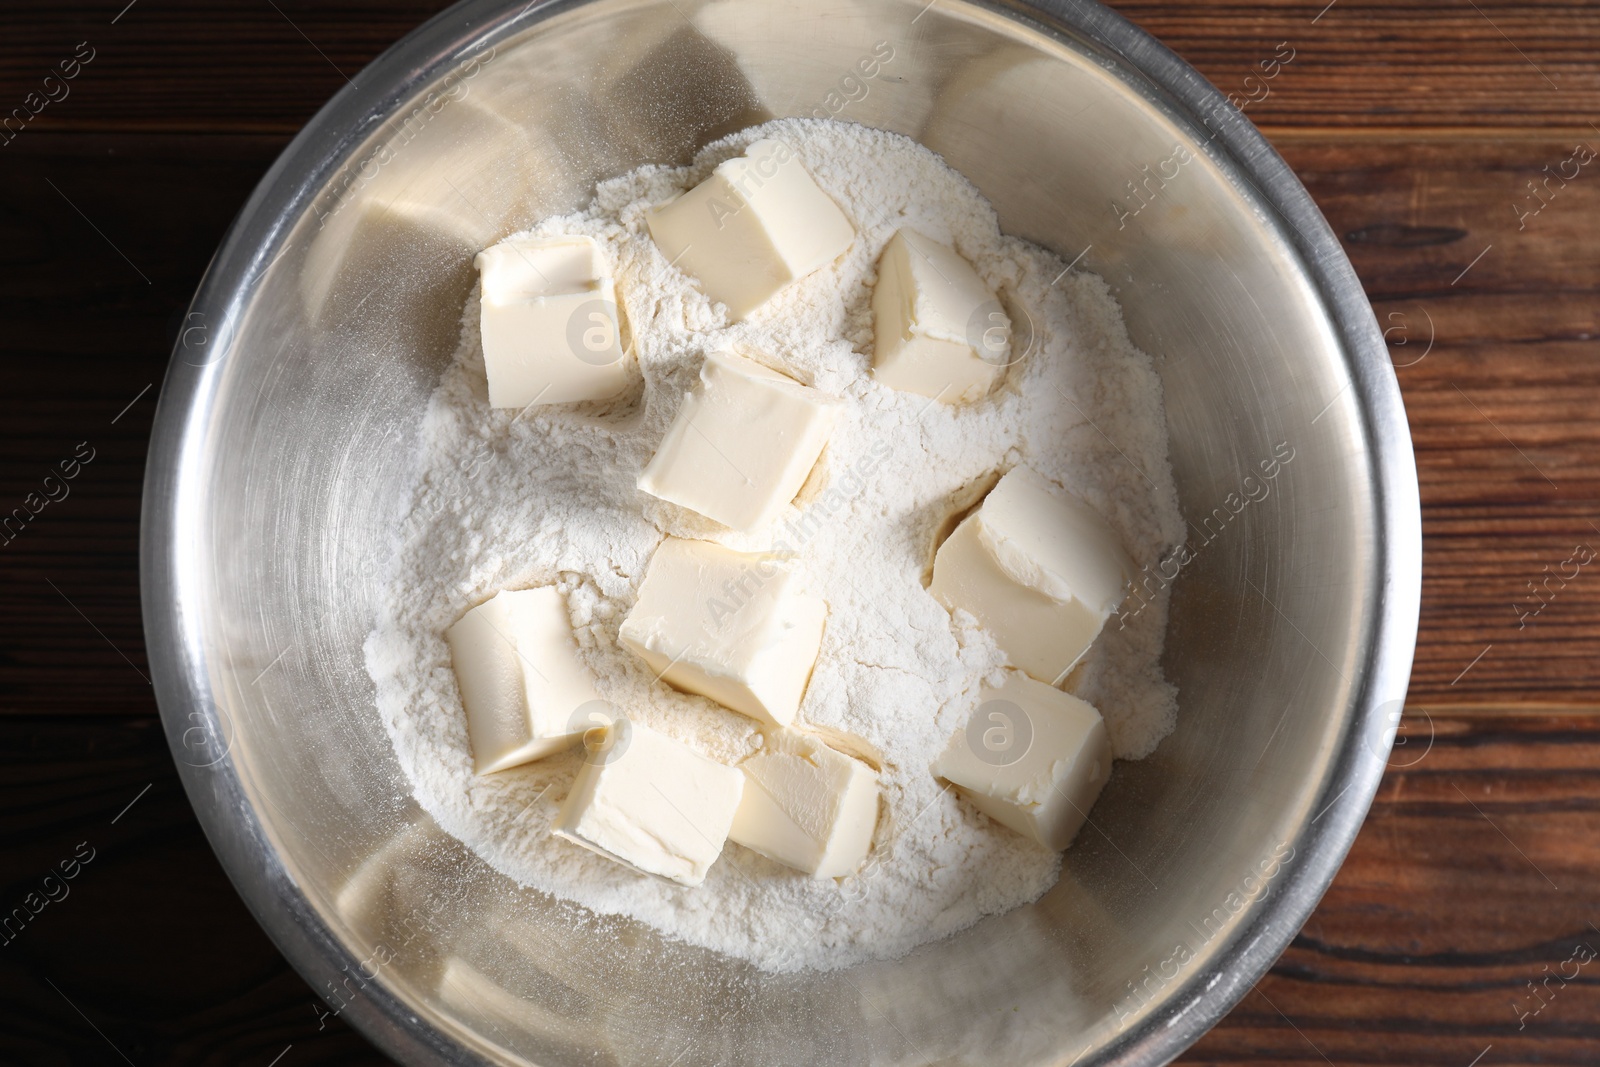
[1383,63]
[1472,877]
[1500,382]
[87,341]
[147,938]
[194,65]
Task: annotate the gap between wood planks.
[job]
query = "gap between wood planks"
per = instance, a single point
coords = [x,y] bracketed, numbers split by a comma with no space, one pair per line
[1413,134]
[1487,709]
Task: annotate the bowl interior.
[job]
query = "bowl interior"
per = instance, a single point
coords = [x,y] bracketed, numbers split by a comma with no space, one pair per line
[300,419]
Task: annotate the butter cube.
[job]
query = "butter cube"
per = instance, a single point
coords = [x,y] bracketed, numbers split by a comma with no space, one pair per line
[757,224]
[520,677]
[1041,572]
[742,444]
[807,806]
[549,319]
[938,331]
[727,625]
[651,803]
[1032,758]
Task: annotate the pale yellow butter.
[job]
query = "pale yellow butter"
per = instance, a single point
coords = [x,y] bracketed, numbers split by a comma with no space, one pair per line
[650,802]
[1040,570]
[522,684]
[727,625]
[938,330]
[550,322]
[1032,758]
[757,224]
[807,806]
[742,444]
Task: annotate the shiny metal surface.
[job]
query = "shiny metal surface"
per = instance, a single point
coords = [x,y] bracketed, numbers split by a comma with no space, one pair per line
[288,427]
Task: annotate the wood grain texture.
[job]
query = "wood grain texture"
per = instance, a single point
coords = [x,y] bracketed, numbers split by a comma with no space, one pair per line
[1382,63]
[1497,368]
[104,240]
[1472,878]
[198,66]
[145,955]
[1417,127]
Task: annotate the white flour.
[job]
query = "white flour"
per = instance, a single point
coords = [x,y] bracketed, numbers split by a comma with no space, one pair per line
[508,501]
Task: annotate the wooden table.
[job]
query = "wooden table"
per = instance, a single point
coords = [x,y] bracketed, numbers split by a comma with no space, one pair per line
[1468,899]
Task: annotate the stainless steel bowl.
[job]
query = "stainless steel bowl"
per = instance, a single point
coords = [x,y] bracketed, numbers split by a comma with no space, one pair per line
[289,426]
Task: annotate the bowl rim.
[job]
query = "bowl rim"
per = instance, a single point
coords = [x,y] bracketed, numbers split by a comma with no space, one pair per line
[331,139]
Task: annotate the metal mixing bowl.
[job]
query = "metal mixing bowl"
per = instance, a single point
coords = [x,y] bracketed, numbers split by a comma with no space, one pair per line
[288,430]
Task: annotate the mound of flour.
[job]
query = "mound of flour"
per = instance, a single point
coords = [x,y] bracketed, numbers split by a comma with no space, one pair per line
[508,500]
